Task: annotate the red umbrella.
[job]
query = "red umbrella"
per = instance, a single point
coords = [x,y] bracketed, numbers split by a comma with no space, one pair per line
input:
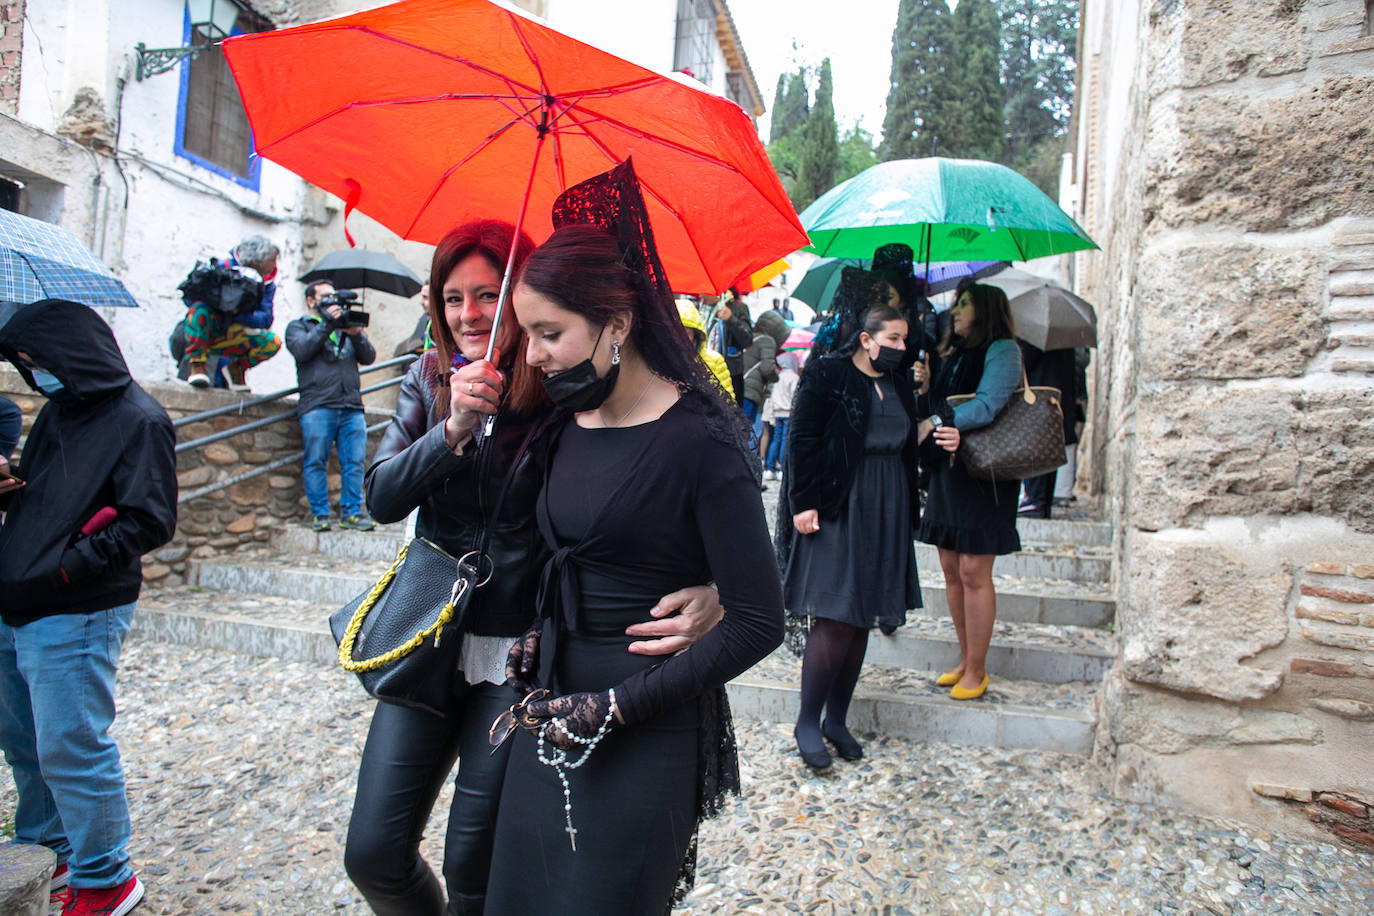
[427,112]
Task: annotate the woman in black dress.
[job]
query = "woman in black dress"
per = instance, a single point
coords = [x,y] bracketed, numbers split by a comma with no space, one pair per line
[649,485]
[433,457]
[852,492]
[969,520]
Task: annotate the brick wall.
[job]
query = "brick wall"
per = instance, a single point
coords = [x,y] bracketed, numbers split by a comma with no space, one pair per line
[11,35]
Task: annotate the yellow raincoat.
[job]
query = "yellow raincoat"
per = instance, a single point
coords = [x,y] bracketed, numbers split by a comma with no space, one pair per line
[691,319]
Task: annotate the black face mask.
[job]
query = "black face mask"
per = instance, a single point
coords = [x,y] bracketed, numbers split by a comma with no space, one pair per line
[889,359]
[580,388]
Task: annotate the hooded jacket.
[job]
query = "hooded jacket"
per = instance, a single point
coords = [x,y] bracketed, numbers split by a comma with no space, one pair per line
[691,320]
[760,366]
[102,442]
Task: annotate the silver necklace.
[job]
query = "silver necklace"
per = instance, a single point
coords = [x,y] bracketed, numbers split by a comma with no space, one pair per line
[643,391]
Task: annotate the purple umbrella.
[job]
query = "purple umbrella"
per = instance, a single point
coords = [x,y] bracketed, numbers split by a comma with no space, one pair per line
[942,277]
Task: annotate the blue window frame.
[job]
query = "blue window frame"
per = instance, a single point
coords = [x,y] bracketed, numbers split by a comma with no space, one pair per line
[209,108]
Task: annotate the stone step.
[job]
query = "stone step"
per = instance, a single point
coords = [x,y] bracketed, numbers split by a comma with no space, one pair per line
[381,544]
[1040,537]
[889,699]
[1041,563]
[1019,651]
[1064,531]
[1032,601]
[314,578]
[1010,714]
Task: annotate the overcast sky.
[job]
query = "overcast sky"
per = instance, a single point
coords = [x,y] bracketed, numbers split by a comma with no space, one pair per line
[855,34]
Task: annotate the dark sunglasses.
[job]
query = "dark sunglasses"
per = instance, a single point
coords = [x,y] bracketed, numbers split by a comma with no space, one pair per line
[504,725]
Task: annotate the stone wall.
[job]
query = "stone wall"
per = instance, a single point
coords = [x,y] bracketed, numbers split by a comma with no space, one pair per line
[240,514]
[1226,171]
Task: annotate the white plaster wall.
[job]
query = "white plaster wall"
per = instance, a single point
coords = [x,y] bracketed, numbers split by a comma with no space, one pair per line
[65,48]
[641,32]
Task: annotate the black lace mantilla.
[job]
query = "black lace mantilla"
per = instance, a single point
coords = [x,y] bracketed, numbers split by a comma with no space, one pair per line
[613,203]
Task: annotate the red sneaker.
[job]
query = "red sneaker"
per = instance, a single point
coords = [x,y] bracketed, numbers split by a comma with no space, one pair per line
[104,901]
[60,876]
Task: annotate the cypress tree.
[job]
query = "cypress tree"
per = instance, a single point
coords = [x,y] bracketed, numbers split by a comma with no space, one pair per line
[1038,67]
[820,145]
[917,97]
[790,116]
[779,102]
[975,129]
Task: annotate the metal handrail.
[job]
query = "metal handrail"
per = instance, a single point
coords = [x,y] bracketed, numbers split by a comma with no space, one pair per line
[239,407]
[258,471]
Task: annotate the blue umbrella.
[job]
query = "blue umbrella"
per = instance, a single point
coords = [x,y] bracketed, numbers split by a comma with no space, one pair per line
[41,261]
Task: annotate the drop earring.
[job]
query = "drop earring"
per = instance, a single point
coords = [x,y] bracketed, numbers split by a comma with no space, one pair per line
[615,353]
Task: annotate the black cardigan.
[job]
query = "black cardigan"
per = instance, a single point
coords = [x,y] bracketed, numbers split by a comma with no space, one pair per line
[825,437]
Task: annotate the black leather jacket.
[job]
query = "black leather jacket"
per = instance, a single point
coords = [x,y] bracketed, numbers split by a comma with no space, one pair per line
[414,467]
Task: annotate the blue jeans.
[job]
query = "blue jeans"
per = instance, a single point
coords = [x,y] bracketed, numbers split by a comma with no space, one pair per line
[346,430]
[57,678]
[775,445]
[751,412]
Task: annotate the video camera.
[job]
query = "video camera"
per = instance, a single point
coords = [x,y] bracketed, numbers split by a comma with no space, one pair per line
[345,299]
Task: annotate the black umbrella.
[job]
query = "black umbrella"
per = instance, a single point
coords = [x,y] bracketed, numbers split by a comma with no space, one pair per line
[355,268]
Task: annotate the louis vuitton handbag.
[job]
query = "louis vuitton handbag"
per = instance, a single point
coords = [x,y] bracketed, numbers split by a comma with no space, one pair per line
[1025,439]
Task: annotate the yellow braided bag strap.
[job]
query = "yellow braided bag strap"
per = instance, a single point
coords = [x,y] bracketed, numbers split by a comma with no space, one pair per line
[350,636]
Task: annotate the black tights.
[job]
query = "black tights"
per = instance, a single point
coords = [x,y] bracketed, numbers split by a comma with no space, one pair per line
[830,670]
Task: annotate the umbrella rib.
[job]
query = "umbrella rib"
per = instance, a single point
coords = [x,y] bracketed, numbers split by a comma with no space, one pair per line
[433,53]
[380,103]
[529,52]
[448,172]
[598,118]
[606,151]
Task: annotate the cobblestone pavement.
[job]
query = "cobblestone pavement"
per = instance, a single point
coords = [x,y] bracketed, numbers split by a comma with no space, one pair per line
[241,769]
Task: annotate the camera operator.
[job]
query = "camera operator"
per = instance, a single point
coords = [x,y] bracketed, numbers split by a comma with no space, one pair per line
[329,344]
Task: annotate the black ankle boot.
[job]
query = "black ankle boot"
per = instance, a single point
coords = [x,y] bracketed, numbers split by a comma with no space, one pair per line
[844,742]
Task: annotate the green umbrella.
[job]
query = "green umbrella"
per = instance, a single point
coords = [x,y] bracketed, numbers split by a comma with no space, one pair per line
[822,278]
[945,209]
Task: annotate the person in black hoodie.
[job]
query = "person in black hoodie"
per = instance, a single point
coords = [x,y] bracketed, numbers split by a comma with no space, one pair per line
[99,490]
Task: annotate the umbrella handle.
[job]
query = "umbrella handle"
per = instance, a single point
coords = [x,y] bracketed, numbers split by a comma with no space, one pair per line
[510,264]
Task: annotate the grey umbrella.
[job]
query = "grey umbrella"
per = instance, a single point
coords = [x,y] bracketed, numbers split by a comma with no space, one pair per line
[356,268]
[1047,315]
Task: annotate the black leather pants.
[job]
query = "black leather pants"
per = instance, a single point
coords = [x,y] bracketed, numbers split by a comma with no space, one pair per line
[407,757]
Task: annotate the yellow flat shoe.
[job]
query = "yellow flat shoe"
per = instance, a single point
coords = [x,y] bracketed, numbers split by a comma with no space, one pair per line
[958,693]
[949,678]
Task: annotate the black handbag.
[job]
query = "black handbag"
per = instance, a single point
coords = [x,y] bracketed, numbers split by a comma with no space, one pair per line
[402,637]
[391,635]
[1024,440]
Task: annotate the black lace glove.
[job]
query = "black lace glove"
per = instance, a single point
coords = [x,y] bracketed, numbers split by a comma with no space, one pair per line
[523,660]
[581,714]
